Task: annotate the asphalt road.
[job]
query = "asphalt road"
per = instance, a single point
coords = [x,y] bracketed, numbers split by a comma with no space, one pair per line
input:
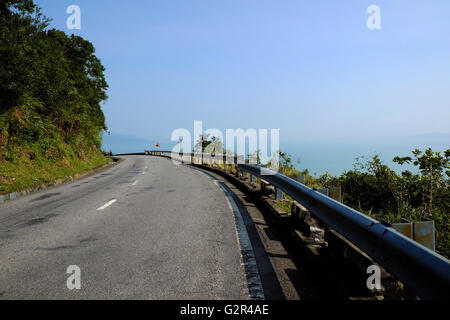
[142,229]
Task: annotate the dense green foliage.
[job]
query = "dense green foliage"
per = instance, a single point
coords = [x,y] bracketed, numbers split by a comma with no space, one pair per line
[51,87]
[377,190]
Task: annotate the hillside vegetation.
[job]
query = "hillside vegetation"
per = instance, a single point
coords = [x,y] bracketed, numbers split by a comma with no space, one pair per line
[51,87]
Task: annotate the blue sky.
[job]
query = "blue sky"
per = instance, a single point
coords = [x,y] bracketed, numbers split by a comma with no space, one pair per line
[309,68]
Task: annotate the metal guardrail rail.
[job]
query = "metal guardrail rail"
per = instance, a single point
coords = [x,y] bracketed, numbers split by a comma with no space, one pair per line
[419,268]
[423,271]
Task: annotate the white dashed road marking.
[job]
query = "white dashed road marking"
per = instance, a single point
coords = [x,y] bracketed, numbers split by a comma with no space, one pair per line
[106,205]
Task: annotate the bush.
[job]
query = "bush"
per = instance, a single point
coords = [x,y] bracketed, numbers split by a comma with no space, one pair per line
[378,191]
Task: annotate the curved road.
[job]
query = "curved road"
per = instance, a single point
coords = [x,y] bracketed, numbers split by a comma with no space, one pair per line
[142,229]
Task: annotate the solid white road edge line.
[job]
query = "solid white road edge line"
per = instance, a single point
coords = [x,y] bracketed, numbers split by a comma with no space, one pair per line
[253,278]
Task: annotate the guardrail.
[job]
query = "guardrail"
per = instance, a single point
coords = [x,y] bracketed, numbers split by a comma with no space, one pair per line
[423,271]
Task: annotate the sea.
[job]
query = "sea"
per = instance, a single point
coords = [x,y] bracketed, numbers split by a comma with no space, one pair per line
[319,156]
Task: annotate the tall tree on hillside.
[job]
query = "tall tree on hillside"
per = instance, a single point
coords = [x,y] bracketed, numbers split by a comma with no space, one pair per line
[50,83]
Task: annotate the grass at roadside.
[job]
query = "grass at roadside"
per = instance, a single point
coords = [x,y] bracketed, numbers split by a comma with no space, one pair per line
[26,173]
[284,205]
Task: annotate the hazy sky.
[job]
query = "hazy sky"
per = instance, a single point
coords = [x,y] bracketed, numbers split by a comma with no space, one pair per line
[310,68]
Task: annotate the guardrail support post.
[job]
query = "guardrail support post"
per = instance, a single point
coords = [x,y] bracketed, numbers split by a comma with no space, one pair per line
[278,194]
[252,179]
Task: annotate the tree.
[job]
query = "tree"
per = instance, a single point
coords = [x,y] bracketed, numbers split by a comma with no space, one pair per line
[23,6]
[431,165]
[255,157]
[285,161]
[202,142]
[51,85]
